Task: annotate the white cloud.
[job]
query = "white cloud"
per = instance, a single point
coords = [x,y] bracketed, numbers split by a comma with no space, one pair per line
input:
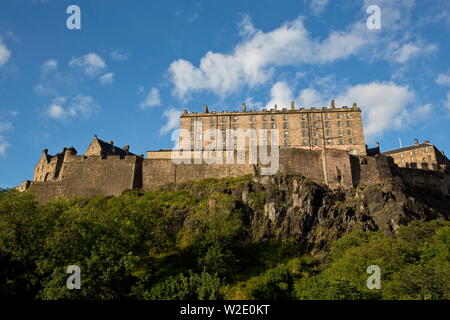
[173,119]
[3,145]
[318,6]
[310,97]
[403,53]
[5,54]
[385,105]
[443,80]
[5,126]
[107,78]
[281,95]
[253,60]
[151,100]
[80,107]
[49,65]
[90,64]
[120,54]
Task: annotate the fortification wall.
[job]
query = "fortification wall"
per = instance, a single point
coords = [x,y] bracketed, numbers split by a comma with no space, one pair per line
[369,170]
[314,164]
[436,181]
[89,176]
[157,172]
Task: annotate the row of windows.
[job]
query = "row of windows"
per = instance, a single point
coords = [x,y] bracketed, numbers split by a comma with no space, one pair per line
[285,117]
[304,125]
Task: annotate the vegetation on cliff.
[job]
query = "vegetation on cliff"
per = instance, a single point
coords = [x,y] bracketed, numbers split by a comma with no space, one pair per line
[282,237]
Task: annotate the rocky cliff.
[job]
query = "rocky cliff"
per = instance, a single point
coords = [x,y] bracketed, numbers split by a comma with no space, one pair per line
[293,208]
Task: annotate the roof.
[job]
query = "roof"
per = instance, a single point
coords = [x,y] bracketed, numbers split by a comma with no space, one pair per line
[110,149]
[413,147]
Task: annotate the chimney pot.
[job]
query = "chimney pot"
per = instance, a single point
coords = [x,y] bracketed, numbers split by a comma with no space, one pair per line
[377,144]
[126,148]
[416,141]
[111,142]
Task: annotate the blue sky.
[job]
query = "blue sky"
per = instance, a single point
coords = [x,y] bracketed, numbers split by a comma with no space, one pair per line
[134,65]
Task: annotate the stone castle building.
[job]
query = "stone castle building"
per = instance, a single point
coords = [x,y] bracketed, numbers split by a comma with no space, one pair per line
[419,155]
[325,145]
[309,129]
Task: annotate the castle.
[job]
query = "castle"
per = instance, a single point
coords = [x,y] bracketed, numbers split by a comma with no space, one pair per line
[325,145]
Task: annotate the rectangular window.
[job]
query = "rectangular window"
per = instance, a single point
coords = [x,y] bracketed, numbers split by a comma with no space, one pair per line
[274,126]
[305,142]
[338,115]
[252,125]
[349,123]
[328,124]
[224,119]
[286,133]
[272,118]
[252,118]
[264,118]
[328,132]
[235,126]
[303,116]
[264,125]
[235,119]
[305,133]
[327,116]
[349,132]
[328,141]
[304,125]
[341,141]
[347,115]
[285,125]
[285,117]
[286,143]
[350,141]
[339,123]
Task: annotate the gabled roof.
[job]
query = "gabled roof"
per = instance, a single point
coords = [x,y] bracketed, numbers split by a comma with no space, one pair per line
[110,149]
[408,148]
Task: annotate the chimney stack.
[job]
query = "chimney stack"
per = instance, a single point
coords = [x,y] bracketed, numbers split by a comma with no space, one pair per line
[205,109]
[292,105]
[244,107]
[377,144]
[185,111]
[126,148]
[111,142]
[416,141]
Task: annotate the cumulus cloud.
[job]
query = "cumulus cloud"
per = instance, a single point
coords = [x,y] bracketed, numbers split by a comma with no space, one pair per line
[49,65]
[404,52]
[281,95]
[385,105]
[90,64]
[253,60]
[107,78]
[120,54]
[3,146]
[172,120]
[152,99]
[79,107]
[5,54]
[443,80]
[5,126]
